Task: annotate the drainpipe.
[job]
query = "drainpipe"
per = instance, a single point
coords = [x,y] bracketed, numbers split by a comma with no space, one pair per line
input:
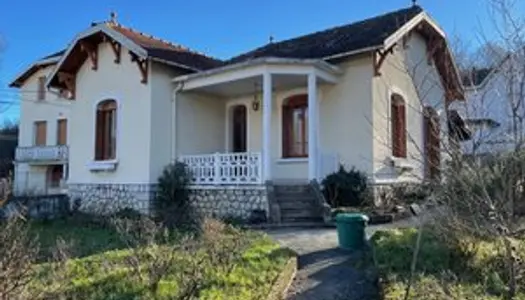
[174,94]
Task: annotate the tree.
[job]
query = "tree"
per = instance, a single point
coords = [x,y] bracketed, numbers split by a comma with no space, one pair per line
[8,144]
[484,198]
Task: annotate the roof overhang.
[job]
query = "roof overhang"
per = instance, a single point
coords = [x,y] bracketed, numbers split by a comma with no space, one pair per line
[257,67]
[32,69]
[441,53]
[94,30]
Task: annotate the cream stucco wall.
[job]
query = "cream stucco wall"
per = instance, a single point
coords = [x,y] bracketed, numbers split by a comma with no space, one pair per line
[52,109]
[29,178]
[161,116]
[200,127]
[121,82]
[405,72]
[345,112]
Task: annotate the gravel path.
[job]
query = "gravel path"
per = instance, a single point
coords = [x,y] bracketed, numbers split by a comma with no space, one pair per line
[327,272]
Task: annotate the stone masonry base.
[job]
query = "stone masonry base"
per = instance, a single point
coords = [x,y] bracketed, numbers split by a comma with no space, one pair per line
[214,201]
[109,198]
[229,201]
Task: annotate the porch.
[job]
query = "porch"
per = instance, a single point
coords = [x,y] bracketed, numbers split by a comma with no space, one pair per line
[244,168]
[255,122]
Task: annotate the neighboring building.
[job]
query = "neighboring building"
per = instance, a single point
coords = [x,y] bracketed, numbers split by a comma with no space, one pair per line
[495,110]
[286,113]
[42,154]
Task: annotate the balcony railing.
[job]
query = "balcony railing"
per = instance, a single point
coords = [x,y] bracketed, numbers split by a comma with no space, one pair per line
[224,168]
[42,153]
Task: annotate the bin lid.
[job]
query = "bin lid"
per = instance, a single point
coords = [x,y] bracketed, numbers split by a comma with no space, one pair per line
[351,217]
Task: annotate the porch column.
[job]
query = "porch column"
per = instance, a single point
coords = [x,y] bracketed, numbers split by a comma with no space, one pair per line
[267,126]
[312,126]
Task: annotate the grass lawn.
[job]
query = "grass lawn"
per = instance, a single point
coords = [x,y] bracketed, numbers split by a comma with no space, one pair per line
[442,271]
[100,270]
[86,239]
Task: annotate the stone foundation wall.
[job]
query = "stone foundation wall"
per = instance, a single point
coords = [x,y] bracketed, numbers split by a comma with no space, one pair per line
[226,202]
[109,198]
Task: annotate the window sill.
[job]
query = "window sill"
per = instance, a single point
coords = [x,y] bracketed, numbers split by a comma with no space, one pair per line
[292,160]
[401,163]
[102,165]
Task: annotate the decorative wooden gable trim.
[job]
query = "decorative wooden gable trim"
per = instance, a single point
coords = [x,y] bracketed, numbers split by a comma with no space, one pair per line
[92,52]
[117,47]
[379,57]
[142,64]
[69,81]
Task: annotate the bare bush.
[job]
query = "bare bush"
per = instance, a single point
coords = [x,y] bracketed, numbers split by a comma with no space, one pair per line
[158,253]
[18,253]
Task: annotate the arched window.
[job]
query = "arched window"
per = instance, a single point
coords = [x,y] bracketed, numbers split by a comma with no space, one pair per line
[295,126]
[106,129]
[398,125]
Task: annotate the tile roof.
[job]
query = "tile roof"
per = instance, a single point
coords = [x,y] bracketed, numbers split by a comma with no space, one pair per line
[161,49]
[352,37]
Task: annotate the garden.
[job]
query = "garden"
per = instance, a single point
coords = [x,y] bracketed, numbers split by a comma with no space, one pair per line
[445,269]
[349,191]
[125,255]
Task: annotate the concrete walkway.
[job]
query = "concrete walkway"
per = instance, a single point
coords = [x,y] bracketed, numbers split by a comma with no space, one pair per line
[326,271]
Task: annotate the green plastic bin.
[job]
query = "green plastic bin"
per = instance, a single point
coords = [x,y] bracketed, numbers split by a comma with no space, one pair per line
[351,230]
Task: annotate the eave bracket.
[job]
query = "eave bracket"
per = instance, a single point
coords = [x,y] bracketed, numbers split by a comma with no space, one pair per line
[379,57]
[142,64]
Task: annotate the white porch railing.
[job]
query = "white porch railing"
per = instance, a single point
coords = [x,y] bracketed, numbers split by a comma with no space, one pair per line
[224,168]
[42,153]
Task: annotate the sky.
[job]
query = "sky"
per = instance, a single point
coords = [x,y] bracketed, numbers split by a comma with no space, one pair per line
[33,29]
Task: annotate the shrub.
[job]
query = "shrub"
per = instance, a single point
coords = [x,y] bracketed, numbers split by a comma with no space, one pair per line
[345,187]
[172,199]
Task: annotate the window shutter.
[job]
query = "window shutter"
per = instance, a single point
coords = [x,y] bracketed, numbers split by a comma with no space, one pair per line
[286,130]
[398,124]
[40,133]
[62,132]
[41,88]
[402,131]
[99,142]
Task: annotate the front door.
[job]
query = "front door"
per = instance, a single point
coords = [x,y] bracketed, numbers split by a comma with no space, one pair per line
[239,129]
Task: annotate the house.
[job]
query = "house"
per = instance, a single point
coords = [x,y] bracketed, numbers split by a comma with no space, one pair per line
[42,153]
[253,129]
[495,110]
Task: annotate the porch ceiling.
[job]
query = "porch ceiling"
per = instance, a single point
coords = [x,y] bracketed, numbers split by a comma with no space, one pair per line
[253,85]
[247,78]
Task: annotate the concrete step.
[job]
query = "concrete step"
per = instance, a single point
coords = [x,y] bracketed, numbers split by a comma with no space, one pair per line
[284,189]
[298,220]
[299,213]
[298,205]
[302,199]
[295,224]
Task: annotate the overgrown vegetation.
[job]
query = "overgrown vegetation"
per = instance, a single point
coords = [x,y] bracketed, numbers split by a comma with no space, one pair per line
[137,258]
[172,205]
[345,187]
[446,269]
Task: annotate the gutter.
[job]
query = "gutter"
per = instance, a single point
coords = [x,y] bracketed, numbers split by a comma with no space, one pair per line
[173,131]
[354,52]
[320,63]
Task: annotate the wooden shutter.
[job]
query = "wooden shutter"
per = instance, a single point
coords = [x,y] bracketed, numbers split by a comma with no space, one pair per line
[40,133]
[99,143]
[286,131]
[398,123]
[432,144]
[402,131]
[41,88]
[62,132]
